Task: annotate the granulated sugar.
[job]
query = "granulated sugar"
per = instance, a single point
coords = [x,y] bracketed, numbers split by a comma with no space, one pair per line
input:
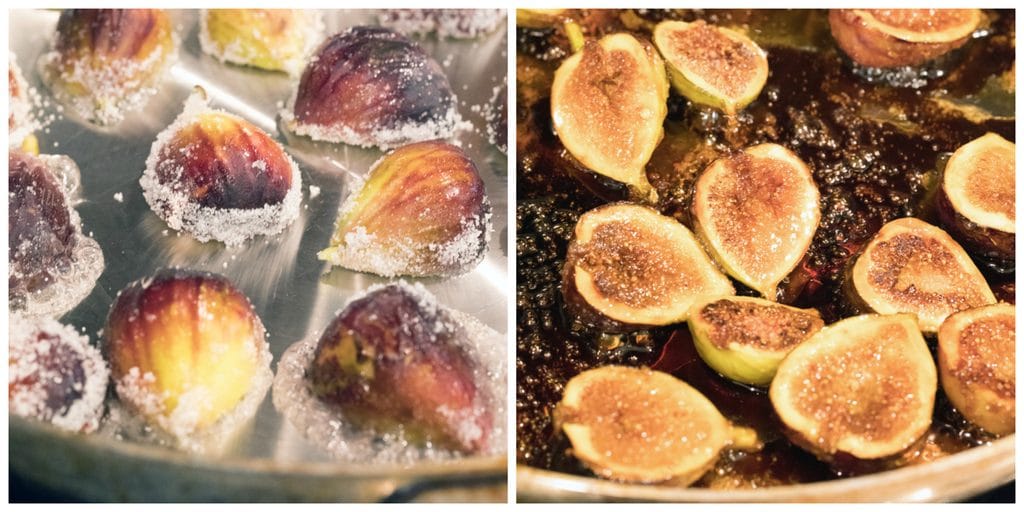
[311,31]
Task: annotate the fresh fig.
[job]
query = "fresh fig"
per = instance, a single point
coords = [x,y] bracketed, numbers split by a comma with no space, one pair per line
[745,338]
[977,365]
[976,202]
[370,86]
[55,375]
[53,266]
[422,211]
[891,38]
[188,353]
[272,39]
[453,23]
[913,267]
[219,177]
[757,211]
[608,103]
[20,122]
[711,65]
[863,387]
[394,356]
[628,266]
[109,62]
[643,426]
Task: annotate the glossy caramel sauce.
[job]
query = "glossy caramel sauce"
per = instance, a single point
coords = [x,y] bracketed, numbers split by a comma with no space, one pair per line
[873,149]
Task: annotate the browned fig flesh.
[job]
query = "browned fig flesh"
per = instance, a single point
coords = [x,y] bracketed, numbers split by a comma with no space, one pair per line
[889,38]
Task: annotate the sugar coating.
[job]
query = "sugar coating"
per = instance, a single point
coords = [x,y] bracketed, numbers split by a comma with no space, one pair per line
[327,427]
[114,90]
[22,121]
[236,53]
[233,226]
[27,362]
[73,283]
[454,23]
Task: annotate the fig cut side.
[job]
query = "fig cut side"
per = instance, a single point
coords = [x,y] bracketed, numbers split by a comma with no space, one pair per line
[608,103]
[864,387]
[639,425]
[911,266]
[629,266]
[746,338]
[711,65]
[891,38]
[757,212]
[977,365]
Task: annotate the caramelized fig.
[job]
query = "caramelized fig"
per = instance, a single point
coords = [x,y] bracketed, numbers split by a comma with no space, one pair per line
[454,23]
[608,103]
[745,338]
[188,353]
[639,425]
[394,356]
[629,266]
[370,86]
[272,39]
[108,62]
[913,267]
[421,212]
[757,211]
[864,386]
[218,176]
[540,18]
[977,365]
[890,38]
[53,266]
[976,202]
[20,122]
[55,375]
[711,65]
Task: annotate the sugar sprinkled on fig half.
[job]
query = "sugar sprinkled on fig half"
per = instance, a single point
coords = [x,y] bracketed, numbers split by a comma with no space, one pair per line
[188,354]
[745,338]
[54,374]
[608,104]
[891,38]
[757,210]
[644,426]
[864,386]
[711,65]
[629,266]
[219,177]
[977,365]
[454,23]
[422,211]
[397,377]
[272,39]
[370,86]
[911,266]
[53,266]
[107,63]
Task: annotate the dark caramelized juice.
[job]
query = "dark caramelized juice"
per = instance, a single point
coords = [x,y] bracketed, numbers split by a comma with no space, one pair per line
[874,142]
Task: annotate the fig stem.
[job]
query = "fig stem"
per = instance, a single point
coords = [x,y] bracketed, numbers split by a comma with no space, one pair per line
[575,35]
[745,439]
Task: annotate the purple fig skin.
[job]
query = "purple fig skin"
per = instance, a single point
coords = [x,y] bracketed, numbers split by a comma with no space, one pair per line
[387,358]
[370,80]
[41,237]
[987,243]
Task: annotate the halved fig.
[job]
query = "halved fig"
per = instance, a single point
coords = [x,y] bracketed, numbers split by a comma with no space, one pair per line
[745,338]
[890,38]
[976,202]
[711,65]
[640,425]
[272,39]
[540,18]
[629,266]
[757,211]
[608,103]
[911,266]
[977,365]
[864,387]
[21,120]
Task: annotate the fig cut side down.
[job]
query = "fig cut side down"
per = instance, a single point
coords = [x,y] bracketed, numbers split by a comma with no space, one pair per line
[757,212]
[891,38]
[977,365]
[864,386]
[629,266]
[608,104]
[911,266]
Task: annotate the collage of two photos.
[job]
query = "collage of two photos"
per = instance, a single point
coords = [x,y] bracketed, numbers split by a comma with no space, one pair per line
[267,255]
